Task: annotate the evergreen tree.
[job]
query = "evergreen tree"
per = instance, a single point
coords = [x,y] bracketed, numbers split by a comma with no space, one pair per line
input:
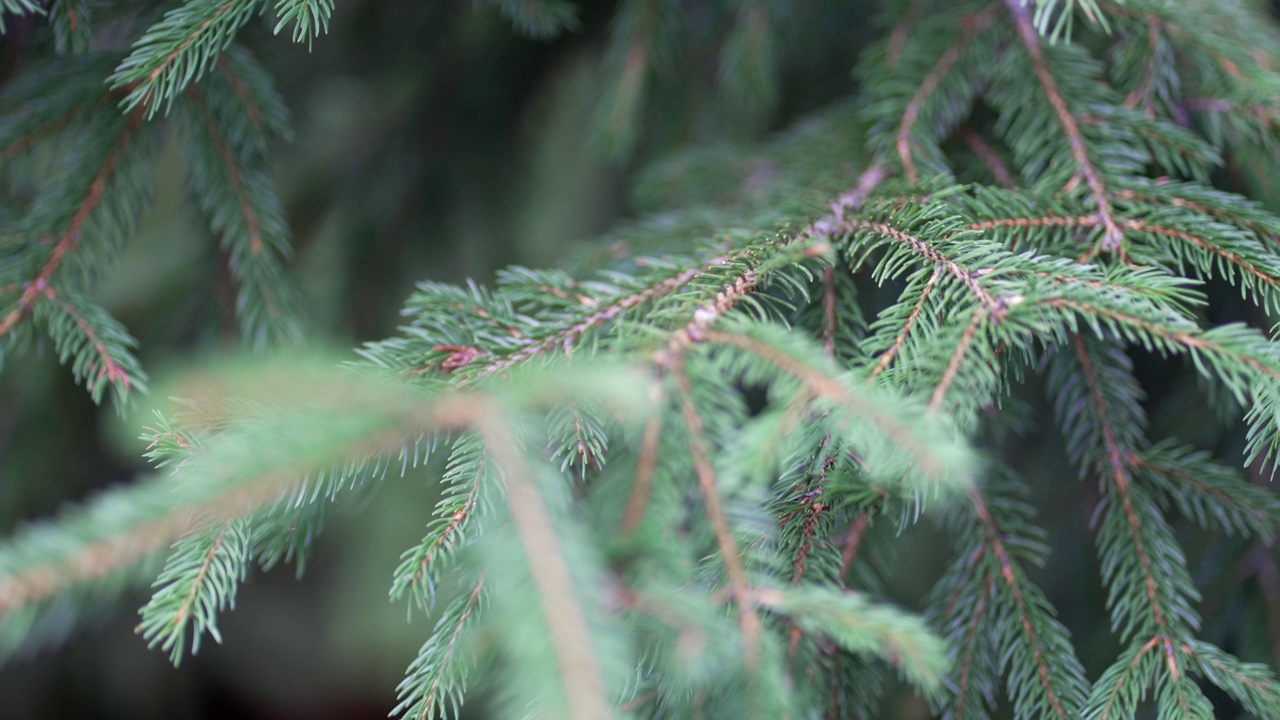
[684,471]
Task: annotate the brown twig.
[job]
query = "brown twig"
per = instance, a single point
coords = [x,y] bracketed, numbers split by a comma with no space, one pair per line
[70,238]
[584,690]
[1113,236]
[640,491]
[969,28]
[1120,482]
[729,552]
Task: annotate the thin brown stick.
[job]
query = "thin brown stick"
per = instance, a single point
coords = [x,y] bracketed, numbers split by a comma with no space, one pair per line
[729,552]
[640,491]
[957,358]
[70,238]
[584,690]
[1113,236]
[883,363]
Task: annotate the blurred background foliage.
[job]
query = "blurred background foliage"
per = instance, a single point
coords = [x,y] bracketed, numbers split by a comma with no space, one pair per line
[432,141]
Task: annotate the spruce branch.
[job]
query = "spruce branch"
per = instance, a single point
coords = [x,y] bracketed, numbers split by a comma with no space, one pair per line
[971,26]
[99,349]
[1113,236]
[179,49]
[583,689]
[730,554]
[69,239]
[310,18]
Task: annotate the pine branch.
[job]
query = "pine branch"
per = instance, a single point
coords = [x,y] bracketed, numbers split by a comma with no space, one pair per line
[99,349]
[179,49]
[310,18]
[729,552]
[583,689]
[1112,237]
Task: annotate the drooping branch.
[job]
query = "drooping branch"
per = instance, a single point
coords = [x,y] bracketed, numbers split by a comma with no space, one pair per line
[1012,577]
[1118,470]
[69,239]
[729,551]
[970,27]
[566,621]
[1112,234]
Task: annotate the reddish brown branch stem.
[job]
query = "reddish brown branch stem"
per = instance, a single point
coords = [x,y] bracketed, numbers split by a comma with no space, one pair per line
[1009,574]
[70,238]
[970,28]
[1112,235]
[1120,484]
[729,552]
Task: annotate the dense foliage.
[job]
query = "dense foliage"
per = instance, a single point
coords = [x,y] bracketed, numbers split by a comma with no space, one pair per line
[682,471]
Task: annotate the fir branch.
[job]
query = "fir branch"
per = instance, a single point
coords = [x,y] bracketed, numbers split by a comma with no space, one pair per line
[1113,236]
[1116,694]
[902,30]
[730,555]
[887,356]
[177,50]
[310,18]
[234,189]
[909,440]
[99,349]
[198,582]
[1142,526]
[927,251]
[1252,685]
[20,144]
[980,316]
[1208,492]
[437,678]
[583,687]
[1059,677]
[69,238]
[970,27]
[604,314]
